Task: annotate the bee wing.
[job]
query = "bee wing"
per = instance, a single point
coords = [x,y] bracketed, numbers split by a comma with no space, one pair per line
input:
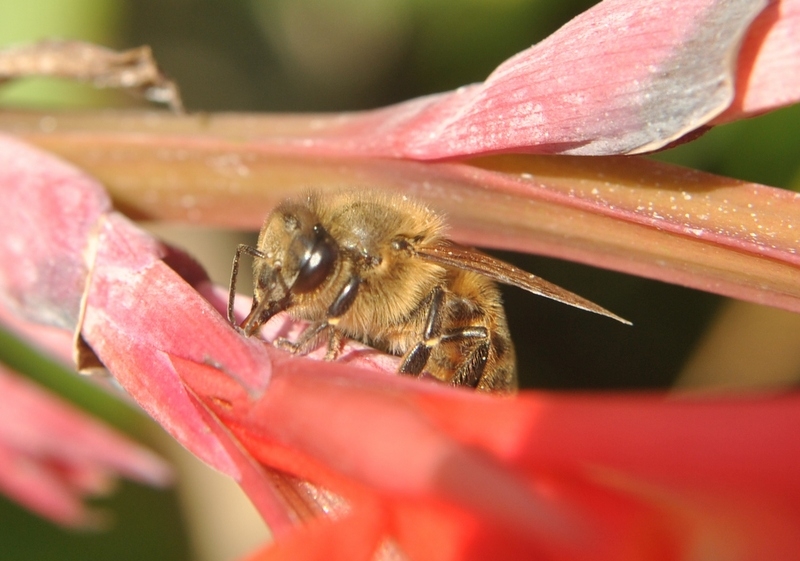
[451,254]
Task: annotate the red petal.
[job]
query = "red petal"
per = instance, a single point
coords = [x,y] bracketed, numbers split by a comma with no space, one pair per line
[353,537]
[624,477]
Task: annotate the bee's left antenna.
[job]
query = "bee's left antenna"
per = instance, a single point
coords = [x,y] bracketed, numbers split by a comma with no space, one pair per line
[249,250]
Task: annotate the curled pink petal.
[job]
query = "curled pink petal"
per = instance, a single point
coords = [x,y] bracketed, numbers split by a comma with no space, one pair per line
[151,349]
[64,220]
[51,243]
[640,75]
[624,77]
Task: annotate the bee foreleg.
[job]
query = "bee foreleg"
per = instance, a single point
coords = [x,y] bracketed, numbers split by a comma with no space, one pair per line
[253,252]
[334,343]
[417,357]
[344,300]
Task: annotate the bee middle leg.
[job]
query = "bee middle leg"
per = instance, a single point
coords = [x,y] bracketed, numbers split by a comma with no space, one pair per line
[417,357]
[469,372]
[308,338]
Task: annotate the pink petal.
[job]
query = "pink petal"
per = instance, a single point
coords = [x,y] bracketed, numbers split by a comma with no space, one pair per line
[63,217]
[59,220]
[126,324]
[43,276]
[51,455]
[39,489]
[769,64]
[623,77]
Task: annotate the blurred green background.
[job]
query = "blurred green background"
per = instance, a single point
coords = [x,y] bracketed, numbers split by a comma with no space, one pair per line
[314,55]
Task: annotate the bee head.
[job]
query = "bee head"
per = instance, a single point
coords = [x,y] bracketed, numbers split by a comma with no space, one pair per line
[298,256]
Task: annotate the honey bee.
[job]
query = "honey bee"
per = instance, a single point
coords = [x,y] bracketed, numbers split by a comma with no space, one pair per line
[377,268]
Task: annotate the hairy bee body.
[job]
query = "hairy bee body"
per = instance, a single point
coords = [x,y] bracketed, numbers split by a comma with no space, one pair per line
[377,268]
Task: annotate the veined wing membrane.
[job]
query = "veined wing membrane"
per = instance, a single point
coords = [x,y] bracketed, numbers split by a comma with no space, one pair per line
[451,254]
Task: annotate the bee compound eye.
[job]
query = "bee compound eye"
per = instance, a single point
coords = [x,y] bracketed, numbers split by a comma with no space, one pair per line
[318,262]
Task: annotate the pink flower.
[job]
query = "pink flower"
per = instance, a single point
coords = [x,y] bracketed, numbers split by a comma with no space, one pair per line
[399,465]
